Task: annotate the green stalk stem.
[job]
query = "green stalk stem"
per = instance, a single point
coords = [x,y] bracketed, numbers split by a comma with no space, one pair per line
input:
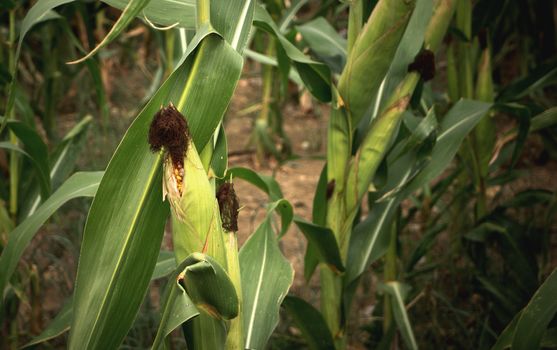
[203,12]
[352,175]
[169,36]
[235,339]
[263,119]
[390,275]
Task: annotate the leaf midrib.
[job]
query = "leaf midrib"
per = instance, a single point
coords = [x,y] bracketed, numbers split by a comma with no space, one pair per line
[256,298]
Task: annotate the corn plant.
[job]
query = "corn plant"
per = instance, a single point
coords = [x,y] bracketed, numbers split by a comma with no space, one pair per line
[363,124]
[218,305]
[36,166]
[363,144]
[388,139]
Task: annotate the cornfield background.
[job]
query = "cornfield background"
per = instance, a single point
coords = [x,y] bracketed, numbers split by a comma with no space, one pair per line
[278,174]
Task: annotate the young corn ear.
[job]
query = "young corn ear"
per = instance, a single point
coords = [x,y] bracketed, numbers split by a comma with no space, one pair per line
[229,207]
[372,54]
[196,222]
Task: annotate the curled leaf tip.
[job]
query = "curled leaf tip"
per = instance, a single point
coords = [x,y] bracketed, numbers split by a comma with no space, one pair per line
[228,206]
[169,129]
[424,64]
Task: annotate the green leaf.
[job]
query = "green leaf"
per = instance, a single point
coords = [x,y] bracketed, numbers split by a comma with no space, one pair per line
[272,61]
[132,9]
[166,263]
[58,326]
[231,18]
[44,180]
[542,76]
[315,76]
[180,13]
[219,160]
[40,12]
[399,291]
[176,306]
[323,240]
[286,212]
[544,120]
[62,162]
[370,239]
[35,149]
[209,286]
[325,42]
[505,339]
[409,46]
[319,217]
[458,122]
[265,183]
[310,322]
[79,185]
[126,220]
[266,278]
[536,316]
[372,55]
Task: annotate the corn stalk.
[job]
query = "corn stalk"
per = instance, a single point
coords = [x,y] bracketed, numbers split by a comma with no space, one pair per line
[349,176]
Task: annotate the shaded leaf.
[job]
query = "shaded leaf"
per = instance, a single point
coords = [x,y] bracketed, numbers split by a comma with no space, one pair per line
[399,291]
[323,240]
[537,315]
[79,185]
[310,322]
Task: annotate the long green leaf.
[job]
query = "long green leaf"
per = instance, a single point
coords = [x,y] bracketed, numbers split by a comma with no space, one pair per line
[372,54]
[398,291]
[79,185]
[265,183]
[315,76]
[458,122]
[325,42]
[132,9]
[166,264]
[231,18]
[266,278]
[126,220]
[58,326]
[176,307]
[536,316]
[37,163]
[179,13]
[62,163]
[40,12]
